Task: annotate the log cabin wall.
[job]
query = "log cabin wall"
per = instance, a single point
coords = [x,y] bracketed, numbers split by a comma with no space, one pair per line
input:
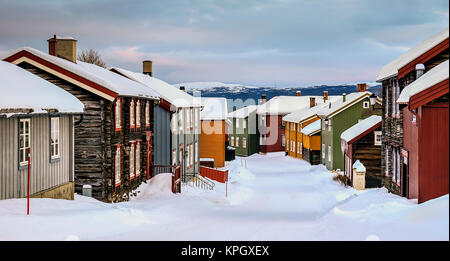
[369,154]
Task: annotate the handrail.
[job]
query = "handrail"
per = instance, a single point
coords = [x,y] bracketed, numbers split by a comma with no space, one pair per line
[203,183]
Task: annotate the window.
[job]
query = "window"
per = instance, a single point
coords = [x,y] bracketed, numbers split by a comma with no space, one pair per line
[244,142]
[237,123]
[132,160]
[180,120]
[300,148]
[323,125]
[398,166]
[138,158]
[329,153]
[196,152]
[138,114]
[147,114]
[377,140]
[132,116]
[282,144]
[196,120]
[117,166]
[54,138]
[329,124]
[244,123]
[283,140]
[232,141]
[173,123]
[191,148]
[323,151]
[237,141]
[292,126]
[192,118]
[118,112]
[387,100]
[366,105]
[174,157]
[386,161]
[24,141]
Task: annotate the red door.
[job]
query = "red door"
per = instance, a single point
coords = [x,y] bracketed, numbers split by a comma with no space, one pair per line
[434,152]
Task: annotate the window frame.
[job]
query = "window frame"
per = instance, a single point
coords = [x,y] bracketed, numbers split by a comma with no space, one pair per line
[237,142]
[147,114]
[329,153]
[132,160]
[54,146]
[138,113]
[137,155]
[117,171]
[375,135]
[132,114]
[118,114]
[366,105]
[27,137]
[283,140]
[244,142]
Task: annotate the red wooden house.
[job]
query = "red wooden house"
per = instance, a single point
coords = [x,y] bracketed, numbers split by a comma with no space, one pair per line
[425,151]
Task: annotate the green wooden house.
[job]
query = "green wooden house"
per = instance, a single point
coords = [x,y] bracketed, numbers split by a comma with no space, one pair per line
[339,116]
[243,131]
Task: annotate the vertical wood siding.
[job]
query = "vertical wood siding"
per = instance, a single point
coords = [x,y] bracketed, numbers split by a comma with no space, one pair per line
[44,175]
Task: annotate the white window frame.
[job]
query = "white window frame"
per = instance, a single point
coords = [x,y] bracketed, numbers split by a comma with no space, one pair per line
[237,123]
[366,104]
[196,152]
[147,114]
[54,138]
[329,153]
[118,112]
[329,124]
[237,142]
[244,123]
[232,141]
[244,142]
[132,114]
[174,157]
[323,151]
[26,137]
[180,120]
[117,166]
[298,147]
[138,158]
[132,161]
[138,114]
[191,147]
[283,140]
[375,135]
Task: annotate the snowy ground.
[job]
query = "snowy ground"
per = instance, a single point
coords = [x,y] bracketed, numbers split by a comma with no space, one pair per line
[270,197]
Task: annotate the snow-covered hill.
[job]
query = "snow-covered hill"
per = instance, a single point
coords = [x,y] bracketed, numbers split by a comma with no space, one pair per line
[234,87]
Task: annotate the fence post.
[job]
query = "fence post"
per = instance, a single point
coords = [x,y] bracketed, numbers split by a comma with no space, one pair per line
[28,185]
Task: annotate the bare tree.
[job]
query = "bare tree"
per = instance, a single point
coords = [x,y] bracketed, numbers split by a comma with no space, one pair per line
[91,56]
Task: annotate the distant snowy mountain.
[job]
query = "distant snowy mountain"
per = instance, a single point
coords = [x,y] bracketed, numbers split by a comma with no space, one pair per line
[191,86]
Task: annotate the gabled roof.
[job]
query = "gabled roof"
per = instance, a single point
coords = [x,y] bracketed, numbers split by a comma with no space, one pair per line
[392,68]
[281,105]
[24,90]
[311,128]
[243,113]
[306,114]
[214,109]
[91,77]
[339,105]
[166,91]
[431,78]
[361,127]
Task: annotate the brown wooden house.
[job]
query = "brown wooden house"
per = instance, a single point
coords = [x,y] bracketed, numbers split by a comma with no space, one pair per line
[113,140]
[425,152]
[394,77]
[362,142]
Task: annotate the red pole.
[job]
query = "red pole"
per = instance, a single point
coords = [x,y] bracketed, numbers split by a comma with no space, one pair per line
[226,189]
[28,189]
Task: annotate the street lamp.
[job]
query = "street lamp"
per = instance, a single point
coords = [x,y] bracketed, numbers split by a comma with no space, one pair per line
[373,99]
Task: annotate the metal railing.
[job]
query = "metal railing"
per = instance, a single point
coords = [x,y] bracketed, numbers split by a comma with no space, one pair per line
[202,182]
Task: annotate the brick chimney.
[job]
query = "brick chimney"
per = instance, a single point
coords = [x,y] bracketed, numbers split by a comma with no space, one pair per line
[312,102]
[362,87]
[263,99]
[420,68]
[63,47]
[325,95]
[299,93]
[147,67]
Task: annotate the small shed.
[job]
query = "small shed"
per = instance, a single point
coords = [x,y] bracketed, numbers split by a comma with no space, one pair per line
[311,142]
[362,142]
[35,115]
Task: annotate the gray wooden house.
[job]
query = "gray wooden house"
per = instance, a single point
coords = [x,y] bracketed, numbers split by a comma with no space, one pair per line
[177,128]
[113,141]
[38,116]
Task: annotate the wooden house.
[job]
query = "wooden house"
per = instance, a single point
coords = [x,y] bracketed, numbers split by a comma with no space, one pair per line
[243,134]
[339,116]
[214,127]
[271,127]
[362,142]
[39,117]
[311,142]
[394,77]
[299,119]
[113,141]
[177,123]
[425,151]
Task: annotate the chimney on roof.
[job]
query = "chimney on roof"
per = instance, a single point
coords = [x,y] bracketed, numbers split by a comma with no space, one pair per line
[147,67]
[325,95]
[362,87]
[343,97]
[420,69]
[63,47]
[299,93]
[182,88]
[312,102]
[263,99]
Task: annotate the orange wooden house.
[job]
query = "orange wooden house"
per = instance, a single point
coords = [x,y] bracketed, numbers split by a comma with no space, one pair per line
[213,130]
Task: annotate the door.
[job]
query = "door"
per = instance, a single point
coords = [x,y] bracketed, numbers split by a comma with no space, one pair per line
[149,153]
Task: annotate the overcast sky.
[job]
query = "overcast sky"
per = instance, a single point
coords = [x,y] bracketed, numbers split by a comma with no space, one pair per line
[280,43]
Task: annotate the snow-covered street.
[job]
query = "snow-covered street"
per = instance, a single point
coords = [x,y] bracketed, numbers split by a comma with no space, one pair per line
[270,197]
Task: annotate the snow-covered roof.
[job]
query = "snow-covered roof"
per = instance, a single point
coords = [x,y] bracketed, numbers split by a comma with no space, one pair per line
[311,128]
[101,76]
[339,105]
[359,166]
[243,113]
[24,90]
[281,105]
[392,68]
[304,114]
[168,92]
[434,76]
[214,109]
[360,127]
